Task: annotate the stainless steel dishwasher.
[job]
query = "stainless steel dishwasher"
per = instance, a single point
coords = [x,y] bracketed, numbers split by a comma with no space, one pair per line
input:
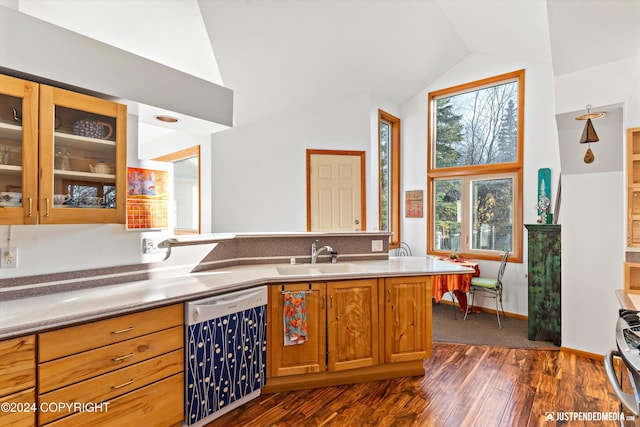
[225,360]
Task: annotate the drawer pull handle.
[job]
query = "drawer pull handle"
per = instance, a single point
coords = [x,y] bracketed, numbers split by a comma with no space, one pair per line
[115,387]
[121,358]
[130,328]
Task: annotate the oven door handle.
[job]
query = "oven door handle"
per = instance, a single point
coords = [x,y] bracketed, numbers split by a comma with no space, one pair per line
[628,400]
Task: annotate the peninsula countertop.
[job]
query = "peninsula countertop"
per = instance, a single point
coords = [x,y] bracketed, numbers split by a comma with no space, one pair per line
[56,309]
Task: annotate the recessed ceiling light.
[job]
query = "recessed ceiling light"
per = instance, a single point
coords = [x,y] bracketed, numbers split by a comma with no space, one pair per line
[166,119]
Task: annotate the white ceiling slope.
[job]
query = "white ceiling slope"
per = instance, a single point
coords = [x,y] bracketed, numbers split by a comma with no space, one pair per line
[170,32]
[585,34]
[280,56]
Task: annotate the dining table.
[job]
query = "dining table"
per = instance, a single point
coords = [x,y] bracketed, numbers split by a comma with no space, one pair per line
[458,284]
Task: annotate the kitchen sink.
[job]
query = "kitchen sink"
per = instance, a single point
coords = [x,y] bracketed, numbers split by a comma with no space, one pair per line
[317,269]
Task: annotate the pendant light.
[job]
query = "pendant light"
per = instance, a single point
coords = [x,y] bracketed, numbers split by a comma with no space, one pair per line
[589,134]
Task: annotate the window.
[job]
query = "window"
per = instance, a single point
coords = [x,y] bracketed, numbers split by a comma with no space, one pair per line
[186,186]
[389,175]
[474,175]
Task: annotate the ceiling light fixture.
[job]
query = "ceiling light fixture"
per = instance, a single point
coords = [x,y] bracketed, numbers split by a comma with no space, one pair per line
[589,134]
[166,119]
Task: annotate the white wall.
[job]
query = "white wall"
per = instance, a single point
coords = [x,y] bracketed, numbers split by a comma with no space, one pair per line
[593,212]
[540,144]
[259,172]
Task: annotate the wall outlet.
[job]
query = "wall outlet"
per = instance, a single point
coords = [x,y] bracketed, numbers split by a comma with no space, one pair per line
[9,257]
[150,246]
[377,246]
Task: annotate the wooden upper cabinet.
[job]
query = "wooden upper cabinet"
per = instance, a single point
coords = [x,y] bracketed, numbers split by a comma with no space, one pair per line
[82,158]
[633,187]
[62,156]
[18,151]
[352,319]
[407,318]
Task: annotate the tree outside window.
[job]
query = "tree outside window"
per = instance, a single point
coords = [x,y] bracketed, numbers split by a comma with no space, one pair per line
[389,175]
[475,167]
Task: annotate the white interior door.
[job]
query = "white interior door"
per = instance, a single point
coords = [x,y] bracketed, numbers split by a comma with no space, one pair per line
[335,189]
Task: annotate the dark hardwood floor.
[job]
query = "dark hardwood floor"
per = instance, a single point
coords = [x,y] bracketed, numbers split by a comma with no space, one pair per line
[463,386]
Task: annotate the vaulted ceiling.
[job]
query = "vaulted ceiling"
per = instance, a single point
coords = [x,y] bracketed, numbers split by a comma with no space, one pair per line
[279,56]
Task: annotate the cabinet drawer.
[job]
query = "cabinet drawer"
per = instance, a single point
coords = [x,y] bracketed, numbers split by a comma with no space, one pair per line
[17,364]
[24,403]
[75,339]
[159,404]
[113,384]
[62,372]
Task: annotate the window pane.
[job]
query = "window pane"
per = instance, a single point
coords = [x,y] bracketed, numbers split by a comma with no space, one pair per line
[448,214]
[478,127]
[185,184]
[492,211]
[385,181]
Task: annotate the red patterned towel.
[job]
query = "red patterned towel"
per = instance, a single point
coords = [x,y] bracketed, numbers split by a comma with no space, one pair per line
[295,317]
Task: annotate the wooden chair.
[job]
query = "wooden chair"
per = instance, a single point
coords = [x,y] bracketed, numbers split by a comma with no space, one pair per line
[492,287]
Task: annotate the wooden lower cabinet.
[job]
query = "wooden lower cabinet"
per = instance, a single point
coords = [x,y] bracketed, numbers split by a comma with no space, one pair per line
[160,404]
[358,330]
[17,382]
[342,318]
[352,324]
[407,318]
[310,357]
[126,370]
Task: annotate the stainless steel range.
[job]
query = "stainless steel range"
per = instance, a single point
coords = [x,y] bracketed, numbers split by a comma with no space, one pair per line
[628,343]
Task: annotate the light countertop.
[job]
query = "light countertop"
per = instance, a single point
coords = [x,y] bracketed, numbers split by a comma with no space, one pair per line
[33,314]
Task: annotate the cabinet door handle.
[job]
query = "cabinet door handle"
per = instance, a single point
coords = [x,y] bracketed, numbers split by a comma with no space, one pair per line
[389,295]
[115,387]
[121,358]
[330,301]
[324,301]
[30,206]
[46,206]
[121,331]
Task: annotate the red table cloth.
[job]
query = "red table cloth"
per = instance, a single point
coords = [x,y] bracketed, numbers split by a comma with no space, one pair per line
[459,284]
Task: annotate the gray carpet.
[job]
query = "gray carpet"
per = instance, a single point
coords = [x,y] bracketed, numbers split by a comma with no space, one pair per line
[481,329]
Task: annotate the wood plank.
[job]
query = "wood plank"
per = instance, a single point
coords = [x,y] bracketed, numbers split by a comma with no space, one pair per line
[461,385]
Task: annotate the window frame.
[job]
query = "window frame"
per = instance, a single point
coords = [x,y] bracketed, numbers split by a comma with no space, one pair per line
[483,171]
[394,176]
[187,153]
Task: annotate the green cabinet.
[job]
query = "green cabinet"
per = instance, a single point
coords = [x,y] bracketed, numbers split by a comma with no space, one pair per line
[544,282]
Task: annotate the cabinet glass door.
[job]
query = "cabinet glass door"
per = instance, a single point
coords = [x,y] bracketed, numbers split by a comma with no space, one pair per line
[84,160]
[18,150]
[82,146]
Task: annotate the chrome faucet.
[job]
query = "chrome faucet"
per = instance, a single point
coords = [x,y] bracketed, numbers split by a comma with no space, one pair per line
[315,251]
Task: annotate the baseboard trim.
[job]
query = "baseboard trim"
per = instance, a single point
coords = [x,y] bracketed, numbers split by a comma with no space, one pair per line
[580,353]
[489,310]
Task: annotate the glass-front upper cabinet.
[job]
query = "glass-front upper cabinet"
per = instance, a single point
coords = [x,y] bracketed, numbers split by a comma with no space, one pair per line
[82,156]
[18,151]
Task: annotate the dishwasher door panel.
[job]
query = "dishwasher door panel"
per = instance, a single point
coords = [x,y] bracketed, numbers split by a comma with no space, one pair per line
[226,363]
